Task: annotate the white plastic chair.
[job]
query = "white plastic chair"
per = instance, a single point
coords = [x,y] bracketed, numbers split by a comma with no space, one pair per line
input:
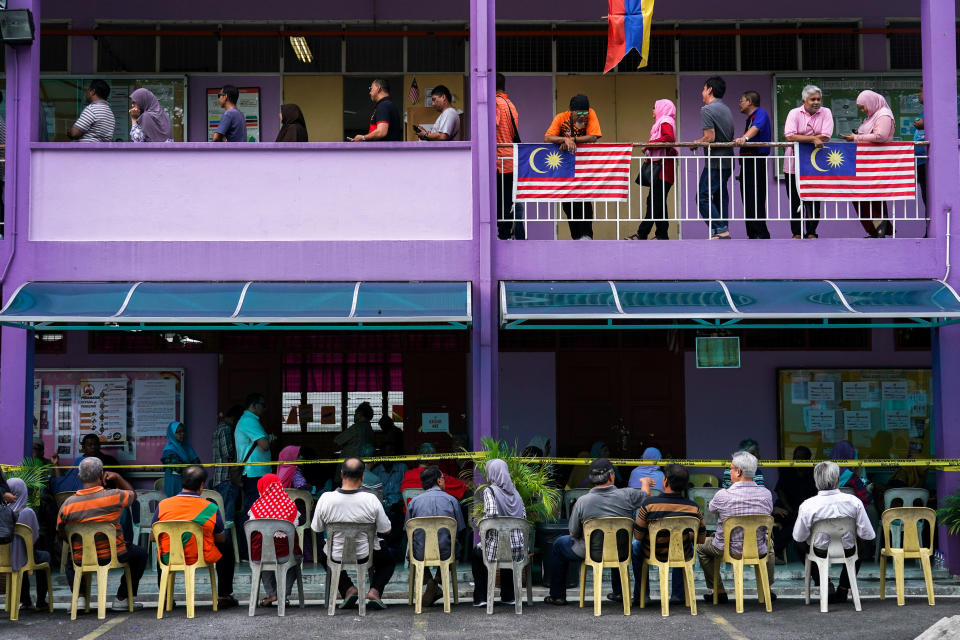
[702,496]
[268,528]
[834,528]
[145,505]
[910,498]
[303,530]
[348,560]
[228,524]
[503,526]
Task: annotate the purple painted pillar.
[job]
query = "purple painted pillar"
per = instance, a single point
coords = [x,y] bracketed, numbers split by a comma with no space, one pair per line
[943,195]
[484,378]
[16,394]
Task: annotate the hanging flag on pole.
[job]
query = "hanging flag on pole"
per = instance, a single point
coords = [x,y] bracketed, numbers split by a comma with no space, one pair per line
[547,173]
[413,95]
[628,27]
[847,171]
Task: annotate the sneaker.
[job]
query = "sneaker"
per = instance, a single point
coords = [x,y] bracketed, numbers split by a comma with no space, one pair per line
[122,605]
[508,603]
[480,604]
[721,598]
[614,597]
[431,594]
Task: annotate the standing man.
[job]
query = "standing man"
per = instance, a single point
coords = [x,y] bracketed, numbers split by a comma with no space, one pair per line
[509,213]
[233,124]
[227,481]
[447,126]
[359,434]
[810,122]
[579,125]
[253,445]
[753,164]
[385,123]
[717,121]
[96,122]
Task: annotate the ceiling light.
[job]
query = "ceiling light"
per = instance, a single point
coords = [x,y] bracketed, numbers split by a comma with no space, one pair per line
[301,49]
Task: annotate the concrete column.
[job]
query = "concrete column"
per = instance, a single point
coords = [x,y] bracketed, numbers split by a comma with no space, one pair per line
[16,394]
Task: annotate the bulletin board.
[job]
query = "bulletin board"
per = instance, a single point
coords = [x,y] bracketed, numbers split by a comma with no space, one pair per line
[123,407]
[248,103]
[885,413]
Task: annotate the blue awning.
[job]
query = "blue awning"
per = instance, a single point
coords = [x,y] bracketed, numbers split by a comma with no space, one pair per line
[233,304]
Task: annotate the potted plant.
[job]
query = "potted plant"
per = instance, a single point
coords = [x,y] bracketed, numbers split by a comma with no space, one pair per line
[36,475]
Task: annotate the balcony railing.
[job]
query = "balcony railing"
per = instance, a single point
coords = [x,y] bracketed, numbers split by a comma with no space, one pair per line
[764,201]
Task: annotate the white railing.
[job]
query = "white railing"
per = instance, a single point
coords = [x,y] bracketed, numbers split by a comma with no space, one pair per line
[763,202]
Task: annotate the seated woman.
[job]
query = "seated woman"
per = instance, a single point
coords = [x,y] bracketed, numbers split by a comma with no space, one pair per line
[275,503]
[18,550]
[500,499]
[178,452]
[646,471]
[288,472]
[849,477]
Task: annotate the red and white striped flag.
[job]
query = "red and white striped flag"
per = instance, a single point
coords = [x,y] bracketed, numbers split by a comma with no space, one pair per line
[547,173]
[849,171]
[413,95]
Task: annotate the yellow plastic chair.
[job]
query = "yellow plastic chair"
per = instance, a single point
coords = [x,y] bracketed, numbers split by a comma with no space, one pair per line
[15,582]
[702,496]
[675,526]
[750,556]
[431,527]
[179,531]
[610,559]
[704,480]
[908,497]
[570,496]
[910,517]
[228,525]
[61,497]
[304,496]
[89,563]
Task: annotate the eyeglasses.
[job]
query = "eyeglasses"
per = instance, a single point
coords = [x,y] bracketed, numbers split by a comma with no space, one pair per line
[581,113]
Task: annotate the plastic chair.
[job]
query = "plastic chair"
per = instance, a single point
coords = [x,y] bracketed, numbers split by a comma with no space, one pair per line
[61,497]
[702,496]
[569,497]
[675,526]
[750,556]
[908,497]
[268,528]
[504,526]
[89,563]
[910,517]
[179,532]
[228,525]
[834,528]
[609,560]
[304,496]
[158,485]
[410,494]
[145,505]
[349,560]
[848,490]
[15,582]
[704,480]
[431,527]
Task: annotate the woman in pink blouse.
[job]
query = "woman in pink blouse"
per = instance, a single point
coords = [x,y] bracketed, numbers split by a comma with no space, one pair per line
[877,128]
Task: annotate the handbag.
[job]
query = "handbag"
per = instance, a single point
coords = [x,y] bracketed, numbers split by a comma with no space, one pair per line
[649,172]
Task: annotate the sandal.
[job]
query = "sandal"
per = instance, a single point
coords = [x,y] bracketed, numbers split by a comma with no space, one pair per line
[349,602]
[376,603]
[634,237]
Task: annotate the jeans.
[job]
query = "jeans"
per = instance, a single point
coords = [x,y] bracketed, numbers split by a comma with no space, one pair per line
[563,554]
[230,493]
[676,576]
[135,556]
[713,198]
[383,566]
[509,213]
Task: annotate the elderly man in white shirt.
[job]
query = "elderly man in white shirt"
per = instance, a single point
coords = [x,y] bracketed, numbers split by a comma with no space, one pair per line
[830,502]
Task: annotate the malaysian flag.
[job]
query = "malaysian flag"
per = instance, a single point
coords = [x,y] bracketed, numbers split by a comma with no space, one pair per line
[547,173]
[413,95]
[849,171]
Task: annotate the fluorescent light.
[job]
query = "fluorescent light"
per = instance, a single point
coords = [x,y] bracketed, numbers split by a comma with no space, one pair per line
[301,49]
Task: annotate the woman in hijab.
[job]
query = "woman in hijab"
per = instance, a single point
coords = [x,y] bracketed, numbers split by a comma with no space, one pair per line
[650,453]
[578,475]
[294,128]
[844,450]
[664,129]
[148,120]
[877,128]
[179,452]
[500,499]
[18,550]
[275,503]
[290,476]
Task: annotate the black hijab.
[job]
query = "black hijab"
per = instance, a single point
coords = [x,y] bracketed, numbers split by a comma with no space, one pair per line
[294,127]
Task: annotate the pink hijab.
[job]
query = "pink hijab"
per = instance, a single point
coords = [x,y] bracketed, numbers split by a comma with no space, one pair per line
[287,471]
[664,112]
[876,107]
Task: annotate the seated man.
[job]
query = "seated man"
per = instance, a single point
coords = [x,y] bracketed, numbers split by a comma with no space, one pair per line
[350,503]
[94,503]
[190,505]
[743,498]
[431,503]
[603,501]
[670,503]
[830,502]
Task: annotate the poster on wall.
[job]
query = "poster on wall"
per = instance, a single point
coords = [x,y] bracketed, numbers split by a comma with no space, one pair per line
[65,432]
[46,409]
[249,105]
[103,408]
[37,391]
[154,406]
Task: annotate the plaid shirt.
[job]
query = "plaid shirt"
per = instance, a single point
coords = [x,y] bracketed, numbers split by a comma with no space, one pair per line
[224,450]
[744,498]
[492,541]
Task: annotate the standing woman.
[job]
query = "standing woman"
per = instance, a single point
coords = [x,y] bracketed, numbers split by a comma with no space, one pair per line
[500,499]
[664,129]
[877,128]
[18,550]
[178,451]
[294,127]
[148,120]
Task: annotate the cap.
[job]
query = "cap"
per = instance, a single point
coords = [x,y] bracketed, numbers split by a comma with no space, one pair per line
[579,102]
[600,470]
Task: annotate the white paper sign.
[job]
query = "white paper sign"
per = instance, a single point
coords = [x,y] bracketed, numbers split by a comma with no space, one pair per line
[856,390]
[822,420]
[896,420]
[154,406]
[895,390]
[798,390]
[819,391]
[103,408]
[436,422]
[37,386]
[856,420]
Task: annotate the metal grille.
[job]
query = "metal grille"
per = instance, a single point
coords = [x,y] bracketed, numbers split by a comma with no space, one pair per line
[660,57]
[376,55]
[769,52]
[905,51]
[830,51]
[187,54]
[326,52]
[54,50]
[581,54]
[524,54]
[709,53]
[251,54]
[435,54]
[126,53]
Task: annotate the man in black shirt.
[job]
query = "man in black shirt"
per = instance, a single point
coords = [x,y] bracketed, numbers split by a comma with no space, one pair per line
[385,123]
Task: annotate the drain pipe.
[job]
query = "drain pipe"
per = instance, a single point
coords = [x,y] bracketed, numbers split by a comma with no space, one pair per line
[13,199]
[946,274]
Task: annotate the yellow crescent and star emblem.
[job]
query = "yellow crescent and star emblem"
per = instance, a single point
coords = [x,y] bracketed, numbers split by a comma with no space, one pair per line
[834,158]
[553,159]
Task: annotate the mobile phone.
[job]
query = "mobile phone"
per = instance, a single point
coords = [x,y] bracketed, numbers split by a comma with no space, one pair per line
[349,139]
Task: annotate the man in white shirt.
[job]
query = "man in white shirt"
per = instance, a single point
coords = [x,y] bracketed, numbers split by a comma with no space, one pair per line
[97,122]
[447,126]
[350,503]
[830,502]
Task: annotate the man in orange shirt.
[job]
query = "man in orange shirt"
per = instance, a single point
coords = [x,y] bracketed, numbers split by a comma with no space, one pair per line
[509,213]
[190,505]
[579,125]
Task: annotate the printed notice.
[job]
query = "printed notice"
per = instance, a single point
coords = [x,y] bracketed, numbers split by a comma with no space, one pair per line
[103,408]
[436,422]
[154,406]
[895,390]
[918,404]
[820,391]
[798,390]
[856,420]
[822,420]
[896,420]
[858,391]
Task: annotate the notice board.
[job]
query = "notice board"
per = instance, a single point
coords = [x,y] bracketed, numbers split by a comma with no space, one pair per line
[885,413]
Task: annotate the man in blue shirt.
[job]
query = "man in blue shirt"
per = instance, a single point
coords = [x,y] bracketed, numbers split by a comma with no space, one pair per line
[919,135]
[753,164]
[253,445]
[233,124]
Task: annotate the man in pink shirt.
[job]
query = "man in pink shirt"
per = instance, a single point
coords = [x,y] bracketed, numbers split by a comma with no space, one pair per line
[811,122]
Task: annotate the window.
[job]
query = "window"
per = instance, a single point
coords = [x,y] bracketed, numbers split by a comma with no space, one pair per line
[660,58]
[905,50]
[251,54]
[188,53]
[581,53]
[768,52]
[830,51]
[374,54]
[326,53]
[125,54]
[436,54]
[523,54]
[708,52]
[55,49]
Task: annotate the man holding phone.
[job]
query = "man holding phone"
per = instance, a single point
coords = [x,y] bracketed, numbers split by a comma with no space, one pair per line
[447,126]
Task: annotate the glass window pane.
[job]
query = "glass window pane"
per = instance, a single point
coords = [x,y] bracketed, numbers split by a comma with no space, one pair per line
[188,54]
[375,54]
[54,49]
[582,53]
[327,411]
[708,52]
[326,54]
[523,54]
[124,54]
[830,51]
[768,52]
[436,53]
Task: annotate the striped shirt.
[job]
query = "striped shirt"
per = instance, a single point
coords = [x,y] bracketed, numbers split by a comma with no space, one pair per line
[744,498]
[97,122]
[665,506]
[95,504]
[224,450]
